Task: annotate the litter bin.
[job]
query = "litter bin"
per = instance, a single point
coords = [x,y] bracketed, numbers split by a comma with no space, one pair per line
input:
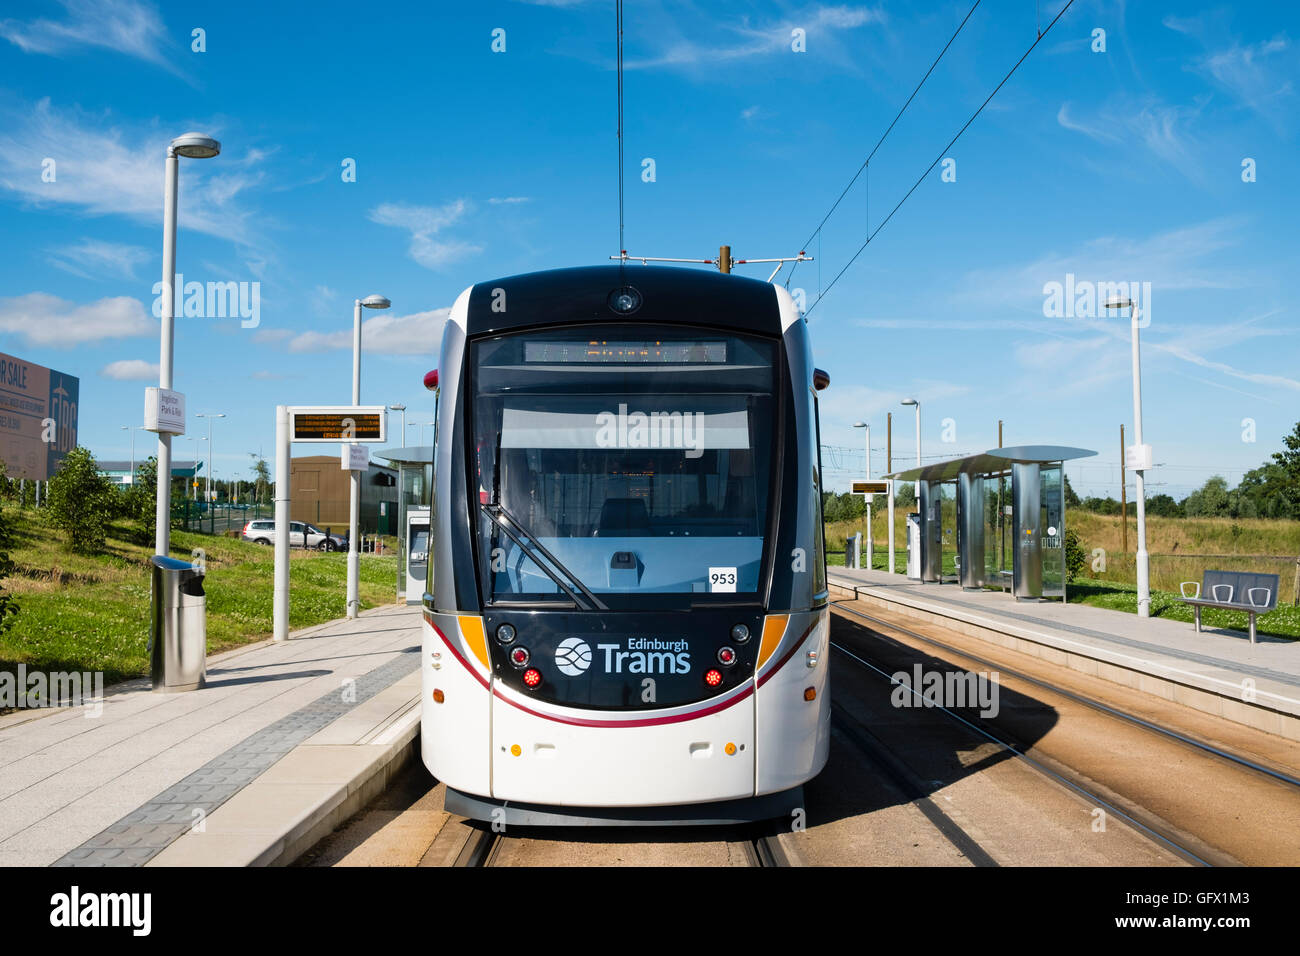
[178,637]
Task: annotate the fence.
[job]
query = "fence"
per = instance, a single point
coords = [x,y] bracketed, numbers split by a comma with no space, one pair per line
[191,515]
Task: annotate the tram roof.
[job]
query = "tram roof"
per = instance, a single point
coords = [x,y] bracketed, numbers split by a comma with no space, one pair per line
[992,461]
[670,295]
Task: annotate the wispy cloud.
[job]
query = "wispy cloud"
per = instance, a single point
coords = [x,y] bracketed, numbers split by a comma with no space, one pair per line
[95,258]
[743,40]
[1258,75]
[384,334]
[46,320]
[1164,131]
[131,370]
[125,26]
[508,200]
[101,170]
[424,223]
[1174,260]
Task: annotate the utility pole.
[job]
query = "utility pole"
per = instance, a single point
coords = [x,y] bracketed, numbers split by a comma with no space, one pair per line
[724,258]
[1123,495]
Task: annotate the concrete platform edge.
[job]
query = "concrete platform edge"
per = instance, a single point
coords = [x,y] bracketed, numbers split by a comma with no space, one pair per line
[1271,712]
[302,815]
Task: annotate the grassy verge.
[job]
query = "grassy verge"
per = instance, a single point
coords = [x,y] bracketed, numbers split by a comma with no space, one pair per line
[92,613]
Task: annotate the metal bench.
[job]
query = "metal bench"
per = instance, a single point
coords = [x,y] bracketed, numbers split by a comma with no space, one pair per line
[1233,591]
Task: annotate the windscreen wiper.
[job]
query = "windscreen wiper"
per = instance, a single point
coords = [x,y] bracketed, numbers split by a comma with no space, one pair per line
[503,520]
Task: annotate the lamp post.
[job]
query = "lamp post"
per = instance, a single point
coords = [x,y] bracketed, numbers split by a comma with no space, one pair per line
[916,490]
[132,429]
[871,547]
[354,518]
[211,455]
[421,426]
[192,146]
[1141,463]
[402,409]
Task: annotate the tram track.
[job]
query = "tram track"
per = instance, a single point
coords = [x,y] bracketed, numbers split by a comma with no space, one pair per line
[1098,783]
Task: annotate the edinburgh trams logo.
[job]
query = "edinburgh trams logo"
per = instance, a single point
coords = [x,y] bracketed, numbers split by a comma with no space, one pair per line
[642,655]
[573,656]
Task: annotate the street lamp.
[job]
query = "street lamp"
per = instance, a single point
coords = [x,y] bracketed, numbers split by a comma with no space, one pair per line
[354,518]
[191,146]
[421,426]
[211,454]
[917,489]
[1142,461]
[132,429]
[871,547]
[402,409]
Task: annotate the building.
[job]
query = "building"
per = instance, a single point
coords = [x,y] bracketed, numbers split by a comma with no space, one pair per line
[320,493]
[119,472]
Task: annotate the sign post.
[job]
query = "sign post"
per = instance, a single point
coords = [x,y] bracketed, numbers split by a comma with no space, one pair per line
[346,424]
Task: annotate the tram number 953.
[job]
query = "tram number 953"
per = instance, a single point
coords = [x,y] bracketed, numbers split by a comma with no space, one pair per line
[722,579]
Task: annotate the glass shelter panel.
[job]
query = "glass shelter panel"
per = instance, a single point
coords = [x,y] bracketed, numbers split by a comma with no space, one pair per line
[1052,502]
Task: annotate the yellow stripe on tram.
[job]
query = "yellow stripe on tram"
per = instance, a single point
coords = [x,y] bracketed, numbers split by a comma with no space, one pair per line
[471,628]
[773,630]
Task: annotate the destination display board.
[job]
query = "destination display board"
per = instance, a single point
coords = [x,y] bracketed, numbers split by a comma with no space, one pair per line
[338,423]
[871,487]
[38,417]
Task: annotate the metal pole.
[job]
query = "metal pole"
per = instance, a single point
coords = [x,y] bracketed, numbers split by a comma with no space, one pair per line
[917,489]
[1123,495]
[162,515]
[280,630]
[1143,572]
[207,488]
[403,427]
[871,545]
[889,470]
[354,508]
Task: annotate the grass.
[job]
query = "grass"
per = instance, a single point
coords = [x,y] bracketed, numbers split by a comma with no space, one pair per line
[1181,549]
[92,612]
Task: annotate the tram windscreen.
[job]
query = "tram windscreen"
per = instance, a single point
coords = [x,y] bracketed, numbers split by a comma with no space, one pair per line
[641,462]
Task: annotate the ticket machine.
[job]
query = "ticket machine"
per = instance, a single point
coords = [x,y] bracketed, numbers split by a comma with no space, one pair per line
[418,554]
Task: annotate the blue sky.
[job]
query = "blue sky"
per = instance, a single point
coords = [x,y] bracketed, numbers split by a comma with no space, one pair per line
[1122,165]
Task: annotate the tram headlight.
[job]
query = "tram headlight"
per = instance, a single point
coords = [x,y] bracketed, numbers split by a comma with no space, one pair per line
[726,656]
[740,633]
[506,633]
[625,300]
[519,657]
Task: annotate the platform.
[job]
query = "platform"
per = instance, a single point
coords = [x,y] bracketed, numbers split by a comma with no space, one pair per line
[283,743]
[1217,671]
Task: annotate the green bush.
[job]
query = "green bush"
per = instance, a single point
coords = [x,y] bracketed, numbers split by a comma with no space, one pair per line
[1076,559]
[80,502]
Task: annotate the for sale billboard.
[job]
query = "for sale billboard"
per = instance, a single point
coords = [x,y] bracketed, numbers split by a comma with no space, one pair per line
[38,417]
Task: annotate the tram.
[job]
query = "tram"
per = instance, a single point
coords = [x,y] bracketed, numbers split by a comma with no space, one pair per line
[628,615]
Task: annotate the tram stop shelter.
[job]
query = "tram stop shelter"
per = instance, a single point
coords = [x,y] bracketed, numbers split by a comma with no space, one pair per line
[1001,514]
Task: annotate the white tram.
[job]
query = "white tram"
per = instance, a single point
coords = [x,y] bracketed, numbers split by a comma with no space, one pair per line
[628,621]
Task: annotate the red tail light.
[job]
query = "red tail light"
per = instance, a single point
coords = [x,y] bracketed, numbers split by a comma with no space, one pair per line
[713,678]
[519,656]
[532,677]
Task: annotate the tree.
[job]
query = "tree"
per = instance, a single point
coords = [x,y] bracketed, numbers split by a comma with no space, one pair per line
[1164,506]
[80,502]
[8,606]
[1211,500]
[1071,498]
[1270,491]
[1289,460]
[261,477]
[142,499]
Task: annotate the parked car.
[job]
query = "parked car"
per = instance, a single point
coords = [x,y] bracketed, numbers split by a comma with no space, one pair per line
[301,535]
